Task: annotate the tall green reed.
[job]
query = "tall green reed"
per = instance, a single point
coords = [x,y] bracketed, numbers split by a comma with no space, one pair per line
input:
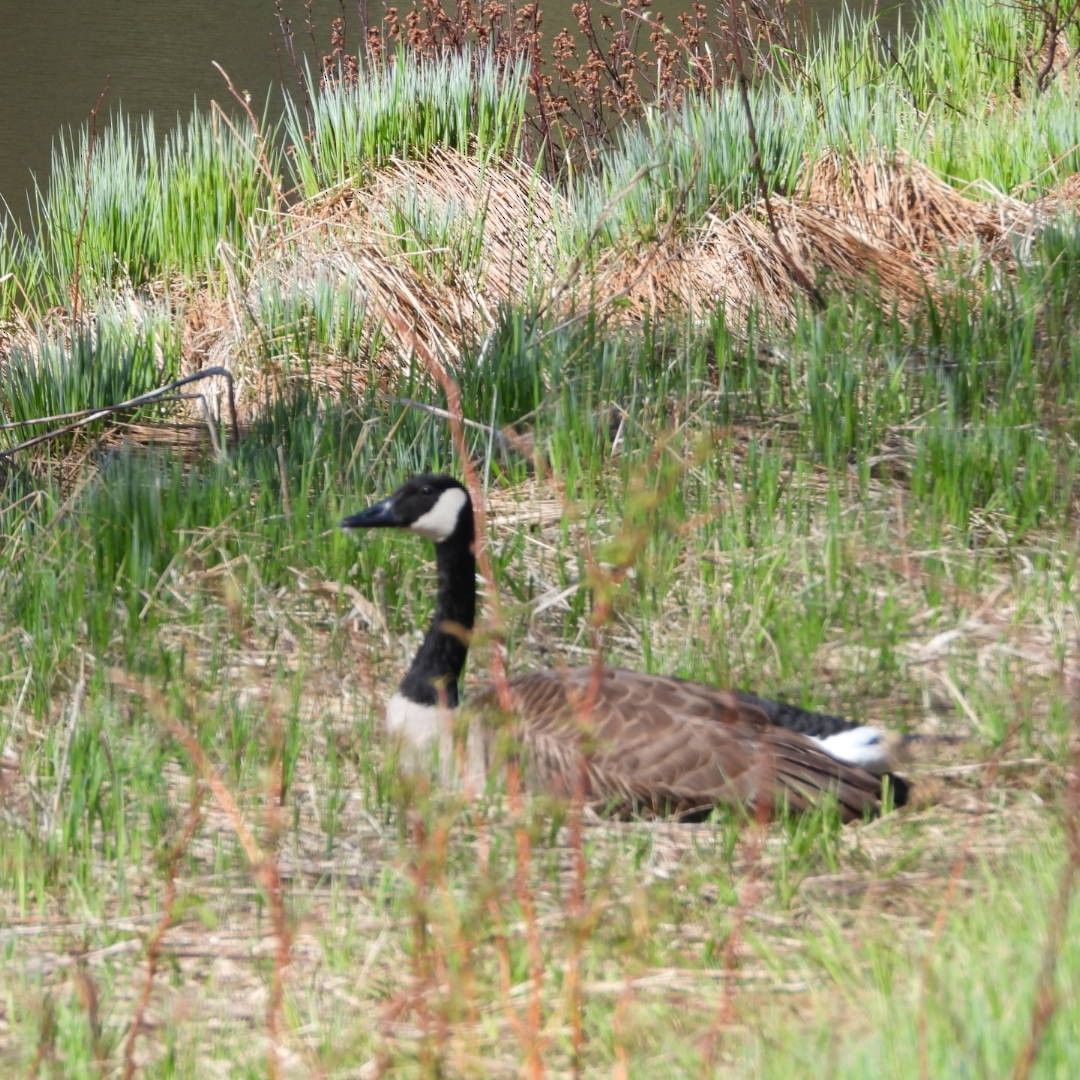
[120,209]
[462,101]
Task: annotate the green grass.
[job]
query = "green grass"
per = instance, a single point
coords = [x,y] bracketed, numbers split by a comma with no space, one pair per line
[908,1000]
[859,513]
[139,211]
[952,94]
[463,102]
[672,169]
[124,355]
[769,553]
[298,322]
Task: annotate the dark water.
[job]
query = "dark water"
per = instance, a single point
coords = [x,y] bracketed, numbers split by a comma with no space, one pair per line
[56,59]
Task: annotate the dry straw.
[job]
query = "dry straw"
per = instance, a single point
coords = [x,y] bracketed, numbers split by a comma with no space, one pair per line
[886,224]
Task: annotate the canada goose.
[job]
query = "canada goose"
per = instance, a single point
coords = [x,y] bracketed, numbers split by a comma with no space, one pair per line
[647,742]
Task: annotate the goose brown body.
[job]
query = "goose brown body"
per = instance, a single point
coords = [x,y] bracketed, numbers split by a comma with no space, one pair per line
[665,745]
[636,741]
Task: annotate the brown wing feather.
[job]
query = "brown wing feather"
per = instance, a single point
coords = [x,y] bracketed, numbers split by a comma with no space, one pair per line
[668,745]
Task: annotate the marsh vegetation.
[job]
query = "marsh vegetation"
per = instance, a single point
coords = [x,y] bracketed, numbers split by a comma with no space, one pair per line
[771,381]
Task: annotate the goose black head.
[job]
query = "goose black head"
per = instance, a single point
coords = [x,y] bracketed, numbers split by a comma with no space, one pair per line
[433,506]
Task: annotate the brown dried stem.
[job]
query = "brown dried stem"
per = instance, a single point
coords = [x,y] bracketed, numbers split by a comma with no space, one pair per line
[532,1036]
[261,157]
[1047,1001]
[165,923]
[267,875]
[263,866]
[91,140]
[948,901]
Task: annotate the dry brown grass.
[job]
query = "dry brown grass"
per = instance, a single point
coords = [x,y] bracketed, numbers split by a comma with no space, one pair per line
[426,301]
[521,940]
[901,202]
[217,944]
[887,225]
[1065,196]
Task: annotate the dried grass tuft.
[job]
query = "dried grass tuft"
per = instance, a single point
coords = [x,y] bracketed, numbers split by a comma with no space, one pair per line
[900,201]
[741,262]
[514,203]
[884,223]
[1063,197]
[416,302]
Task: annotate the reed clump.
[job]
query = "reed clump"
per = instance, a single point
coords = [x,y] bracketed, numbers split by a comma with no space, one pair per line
[771,384]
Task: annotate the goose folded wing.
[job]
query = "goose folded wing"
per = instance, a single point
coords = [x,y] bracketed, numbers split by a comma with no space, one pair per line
[666,745]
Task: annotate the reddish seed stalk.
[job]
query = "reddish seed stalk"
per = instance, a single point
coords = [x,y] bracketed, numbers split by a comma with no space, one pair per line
[582,84]
[1047,1002]
[465,947]
[749,898]
[264,867]
[948,906]
[633,539]
[523,845]
[91,140]
[423,980]
[266,873]
[577,912]
[165,924]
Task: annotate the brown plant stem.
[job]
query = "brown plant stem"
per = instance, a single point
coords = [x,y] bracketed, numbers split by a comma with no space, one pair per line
[164,925]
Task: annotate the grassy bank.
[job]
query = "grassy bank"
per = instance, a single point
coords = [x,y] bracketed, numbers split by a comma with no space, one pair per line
[821,446]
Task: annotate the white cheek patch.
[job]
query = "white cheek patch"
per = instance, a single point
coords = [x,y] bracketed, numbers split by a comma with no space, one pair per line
[442,519]
[866,747]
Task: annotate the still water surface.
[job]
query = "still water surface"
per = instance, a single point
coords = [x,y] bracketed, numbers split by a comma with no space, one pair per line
[57,58]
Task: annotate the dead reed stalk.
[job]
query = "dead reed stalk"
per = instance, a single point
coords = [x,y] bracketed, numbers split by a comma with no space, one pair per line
[1046,999]
[948,901]
[263,865]
[268,876]
[531,1033]
[91,141]
[165,923]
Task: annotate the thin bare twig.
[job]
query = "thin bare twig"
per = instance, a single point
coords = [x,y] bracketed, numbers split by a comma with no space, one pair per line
[797,272]
[74,713]
[266,873]
[167,718]
[1047,1001]
[534,1009]
[91,140]
[165,923]
[149,398]
[261,157]
[948,905]
[264,867]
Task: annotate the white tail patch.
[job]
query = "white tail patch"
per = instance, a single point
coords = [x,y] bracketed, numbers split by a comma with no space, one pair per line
[866,747]
[442,519]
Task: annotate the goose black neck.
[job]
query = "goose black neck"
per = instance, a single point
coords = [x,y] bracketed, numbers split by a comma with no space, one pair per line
[432,679]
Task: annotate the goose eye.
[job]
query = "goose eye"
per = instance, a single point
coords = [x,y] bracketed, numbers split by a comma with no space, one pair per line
[426,489]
